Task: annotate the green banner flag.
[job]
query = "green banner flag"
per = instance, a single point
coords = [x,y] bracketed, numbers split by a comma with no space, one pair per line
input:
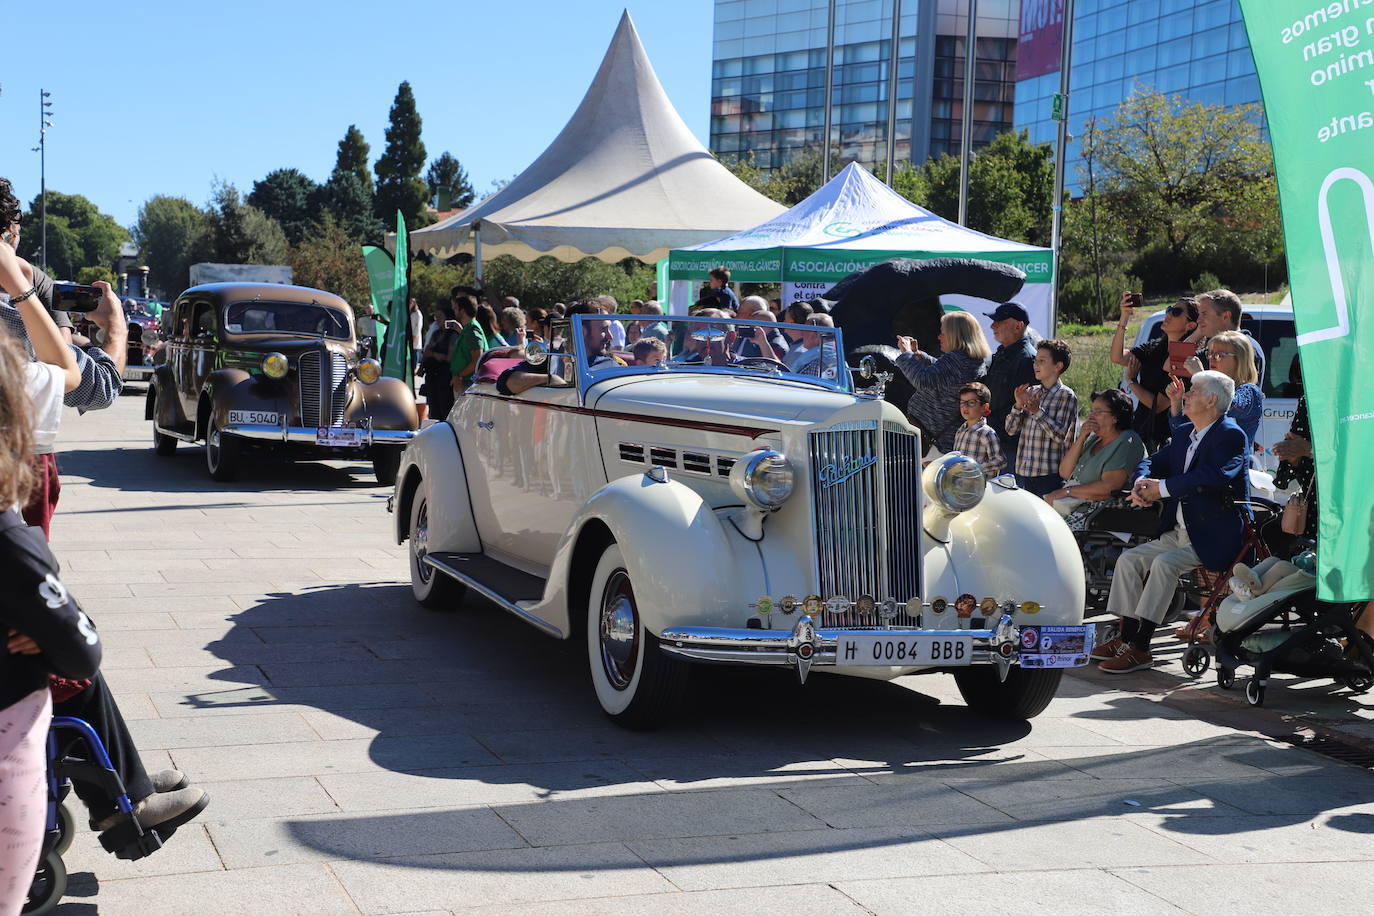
[396,357]
[381,276]
[1314,62]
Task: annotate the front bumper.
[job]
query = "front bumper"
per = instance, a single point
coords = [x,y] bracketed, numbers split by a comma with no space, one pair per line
[306,434]
[806,646]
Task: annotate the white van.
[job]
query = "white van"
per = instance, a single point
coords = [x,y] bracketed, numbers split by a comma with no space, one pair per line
[1272,326]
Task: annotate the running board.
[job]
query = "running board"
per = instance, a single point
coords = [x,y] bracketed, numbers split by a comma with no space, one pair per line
[504,586]
[175,434]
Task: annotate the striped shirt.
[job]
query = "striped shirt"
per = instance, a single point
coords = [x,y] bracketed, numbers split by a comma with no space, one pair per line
[1045,433]
[100,381]
[980,443]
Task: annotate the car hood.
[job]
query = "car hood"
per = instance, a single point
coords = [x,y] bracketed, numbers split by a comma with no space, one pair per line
[719,398]
[285,343]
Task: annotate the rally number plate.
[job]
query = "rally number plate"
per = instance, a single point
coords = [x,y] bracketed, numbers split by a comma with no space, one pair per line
[871,649]
[255,417]
[348,436]
[1056,646]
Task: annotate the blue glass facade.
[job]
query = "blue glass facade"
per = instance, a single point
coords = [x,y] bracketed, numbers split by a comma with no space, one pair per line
[768,77]
[1196,50]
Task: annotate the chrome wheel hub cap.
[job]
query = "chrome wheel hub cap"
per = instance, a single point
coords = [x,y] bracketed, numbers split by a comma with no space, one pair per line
[419,541]
[619,631]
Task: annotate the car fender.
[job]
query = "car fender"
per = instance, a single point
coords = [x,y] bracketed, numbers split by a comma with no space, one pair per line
[171,416]
[388,401]
[685,565]
[433,460]
[236,389]
[1012,546]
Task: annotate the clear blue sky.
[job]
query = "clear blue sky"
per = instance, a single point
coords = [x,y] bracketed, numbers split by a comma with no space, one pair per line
[163,96]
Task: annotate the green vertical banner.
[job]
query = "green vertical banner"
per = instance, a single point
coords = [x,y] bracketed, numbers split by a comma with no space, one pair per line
[396,359]
[1314,63]
[381,275]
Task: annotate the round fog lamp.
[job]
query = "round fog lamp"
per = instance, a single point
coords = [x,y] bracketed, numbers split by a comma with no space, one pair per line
[369,370]
[763,478]
[275,365]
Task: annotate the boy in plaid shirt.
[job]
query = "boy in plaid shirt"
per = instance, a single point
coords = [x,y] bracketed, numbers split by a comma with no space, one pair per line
[975,438]
[1044,415]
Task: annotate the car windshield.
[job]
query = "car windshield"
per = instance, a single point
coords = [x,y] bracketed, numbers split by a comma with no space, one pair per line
[626,344]
[259,317]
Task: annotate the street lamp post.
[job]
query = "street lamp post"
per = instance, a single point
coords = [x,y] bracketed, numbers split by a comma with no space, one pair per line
[44,113]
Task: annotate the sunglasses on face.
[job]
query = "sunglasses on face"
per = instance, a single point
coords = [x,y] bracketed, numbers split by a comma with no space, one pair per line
[1176,310]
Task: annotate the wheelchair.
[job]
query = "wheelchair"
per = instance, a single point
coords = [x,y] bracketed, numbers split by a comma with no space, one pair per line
[126,839]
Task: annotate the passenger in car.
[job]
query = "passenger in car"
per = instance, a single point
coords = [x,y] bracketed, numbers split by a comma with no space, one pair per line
[650,351]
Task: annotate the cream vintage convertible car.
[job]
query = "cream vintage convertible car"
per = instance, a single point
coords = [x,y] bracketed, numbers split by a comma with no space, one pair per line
[712,509]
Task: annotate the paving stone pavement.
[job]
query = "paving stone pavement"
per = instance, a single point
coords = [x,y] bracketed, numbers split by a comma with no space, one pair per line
[365,755]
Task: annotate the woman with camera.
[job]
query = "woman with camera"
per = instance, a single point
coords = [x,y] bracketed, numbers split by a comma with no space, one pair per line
[1147,365]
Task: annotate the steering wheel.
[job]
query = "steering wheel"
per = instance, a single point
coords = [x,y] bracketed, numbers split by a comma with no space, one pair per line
[762,362]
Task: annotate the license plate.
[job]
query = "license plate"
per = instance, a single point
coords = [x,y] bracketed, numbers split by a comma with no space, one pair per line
[255,417]
[1056,646]
[870,649]
[350,436]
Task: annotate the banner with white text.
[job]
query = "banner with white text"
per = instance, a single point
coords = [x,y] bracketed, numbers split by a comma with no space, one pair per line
[1316,70]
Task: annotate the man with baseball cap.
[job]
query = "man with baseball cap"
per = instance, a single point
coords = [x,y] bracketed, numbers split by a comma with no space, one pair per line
[1010,367]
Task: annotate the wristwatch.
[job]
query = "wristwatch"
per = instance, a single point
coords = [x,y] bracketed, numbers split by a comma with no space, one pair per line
[1068,491]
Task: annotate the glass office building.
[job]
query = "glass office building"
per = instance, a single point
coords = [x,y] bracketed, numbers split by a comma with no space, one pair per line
[1197,50]
[768,77]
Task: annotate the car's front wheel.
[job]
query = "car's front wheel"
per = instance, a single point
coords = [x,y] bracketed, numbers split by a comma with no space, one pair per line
[1023,695]
[431,588]
[385,463]
[221,453]
[638,686]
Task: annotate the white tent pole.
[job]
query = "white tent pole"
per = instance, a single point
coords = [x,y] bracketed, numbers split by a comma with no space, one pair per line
[893,58]
[829,90]
[477,251]
[966,131]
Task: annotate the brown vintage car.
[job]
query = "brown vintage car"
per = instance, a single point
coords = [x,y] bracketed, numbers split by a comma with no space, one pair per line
[255,367]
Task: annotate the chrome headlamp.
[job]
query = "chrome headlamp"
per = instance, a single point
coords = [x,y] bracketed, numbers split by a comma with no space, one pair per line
[763,479]
[955,482]
[275,365]
[369,370]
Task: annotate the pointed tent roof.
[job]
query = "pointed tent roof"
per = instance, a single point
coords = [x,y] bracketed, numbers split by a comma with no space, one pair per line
[626,177]
[854,211]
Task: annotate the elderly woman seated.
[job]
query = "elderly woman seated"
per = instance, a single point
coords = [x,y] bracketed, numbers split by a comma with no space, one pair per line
[1102,455]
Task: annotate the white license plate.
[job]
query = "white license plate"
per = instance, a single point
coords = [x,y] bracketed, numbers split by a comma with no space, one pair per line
[350,436]
[255,417]
[869,649]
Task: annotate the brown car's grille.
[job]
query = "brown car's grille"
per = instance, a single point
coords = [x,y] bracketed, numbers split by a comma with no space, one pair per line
[323,399]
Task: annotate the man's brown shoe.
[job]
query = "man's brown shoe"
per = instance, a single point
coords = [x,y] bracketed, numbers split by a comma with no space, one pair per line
[1108,650]
[1130,659]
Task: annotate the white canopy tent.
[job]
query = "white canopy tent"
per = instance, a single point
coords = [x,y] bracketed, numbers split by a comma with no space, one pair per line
[853,222]
[625,178]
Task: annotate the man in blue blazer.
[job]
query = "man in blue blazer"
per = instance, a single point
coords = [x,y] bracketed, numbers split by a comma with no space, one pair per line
[1199,475]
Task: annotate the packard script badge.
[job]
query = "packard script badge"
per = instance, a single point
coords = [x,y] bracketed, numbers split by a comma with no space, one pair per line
[845,468]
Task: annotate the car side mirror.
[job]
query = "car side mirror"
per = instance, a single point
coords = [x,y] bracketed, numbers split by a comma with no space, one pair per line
[868,368]
[536,352]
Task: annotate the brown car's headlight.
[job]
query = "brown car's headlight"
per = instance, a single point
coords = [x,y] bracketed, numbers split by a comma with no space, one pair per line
[369,370]
[275,365]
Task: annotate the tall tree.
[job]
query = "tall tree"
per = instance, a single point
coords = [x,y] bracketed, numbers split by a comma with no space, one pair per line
[449,187]
[243,234]
[352,158]
[350,204]
[79,235]
[170,233]
[399,186]
[289,197]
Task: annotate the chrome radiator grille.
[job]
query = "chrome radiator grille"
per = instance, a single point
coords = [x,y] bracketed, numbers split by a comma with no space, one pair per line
[866,484]
[323,399]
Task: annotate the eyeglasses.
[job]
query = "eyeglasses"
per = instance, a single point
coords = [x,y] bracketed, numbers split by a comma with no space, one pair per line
[963,403]
[1100,413]
[1218,354]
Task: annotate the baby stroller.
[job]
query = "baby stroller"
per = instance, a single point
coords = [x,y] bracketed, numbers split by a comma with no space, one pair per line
[1287,630]
[126,839]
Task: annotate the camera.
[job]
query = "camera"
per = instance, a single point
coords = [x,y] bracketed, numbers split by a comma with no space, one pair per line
[73,297]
